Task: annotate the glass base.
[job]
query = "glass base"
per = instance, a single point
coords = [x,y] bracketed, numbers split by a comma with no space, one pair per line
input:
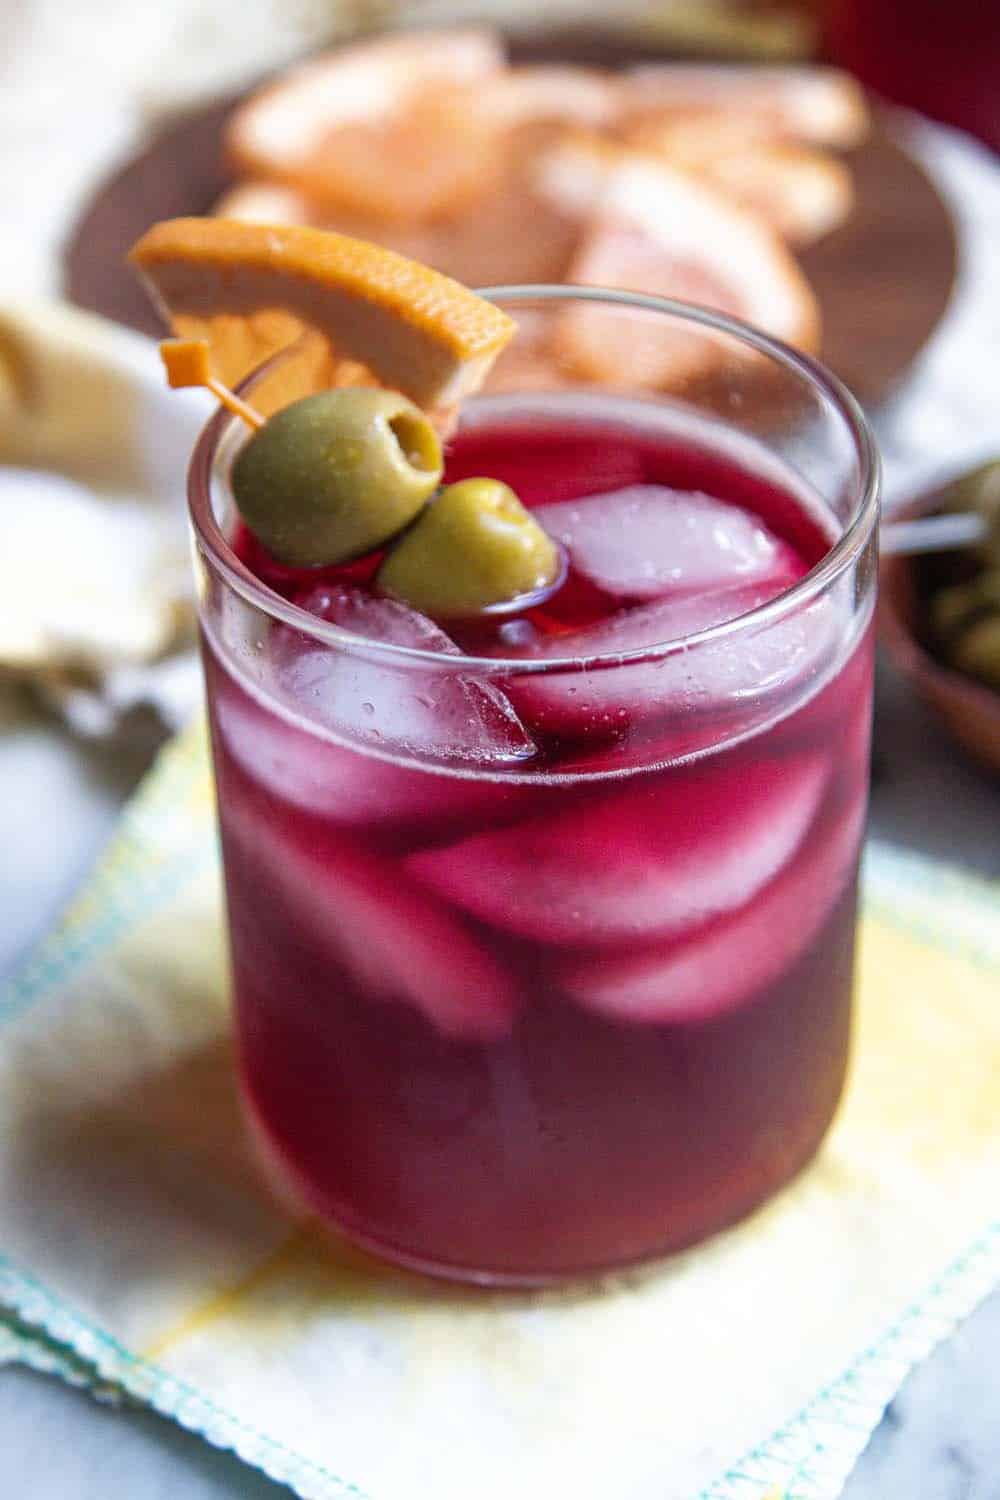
[291,1190]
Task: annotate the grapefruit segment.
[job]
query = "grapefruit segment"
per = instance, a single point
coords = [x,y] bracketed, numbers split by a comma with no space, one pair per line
[658,230]
[515,235]
[376,128]
[585,97]
[434,159]
[254,289]
[801,191]
[259,202]
[820,105]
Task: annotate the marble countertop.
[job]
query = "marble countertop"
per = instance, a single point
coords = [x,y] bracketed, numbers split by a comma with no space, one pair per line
[939,1440]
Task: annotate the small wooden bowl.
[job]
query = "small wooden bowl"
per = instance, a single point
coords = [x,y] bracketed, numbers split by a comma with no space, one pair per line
[969,711]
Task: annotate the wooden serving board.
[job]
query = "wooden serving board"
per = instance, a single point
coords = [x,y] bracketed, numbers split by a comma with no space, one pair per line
[883,278]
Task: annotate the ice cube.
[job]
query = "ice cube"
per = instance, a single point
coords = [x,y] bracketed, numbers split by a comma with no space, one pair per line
[661,620]
[654,855]
[646,540]
[679,692]
[376,618]
[731,959]
[396,941]
[411,710]
[351,787]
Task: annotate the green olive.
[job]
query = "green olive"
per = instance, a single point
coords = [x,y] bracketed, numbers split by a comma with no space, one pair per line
[977,651]
[474,547]
[979,491]
[334,476]
[962,604]
[951,608]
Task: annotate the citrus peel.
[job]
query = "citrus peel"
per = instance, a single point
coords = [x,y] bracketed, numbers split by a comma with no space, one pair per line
[820,105]
[251,290]
[548,91]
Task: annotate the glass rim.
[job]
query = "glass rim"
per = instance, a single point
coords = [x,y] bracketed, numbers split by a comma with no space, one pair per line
[848,546]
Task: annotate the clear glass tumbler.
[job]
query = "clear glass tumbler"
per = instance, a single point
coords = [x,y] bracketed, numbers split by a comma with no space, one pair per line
[542,960]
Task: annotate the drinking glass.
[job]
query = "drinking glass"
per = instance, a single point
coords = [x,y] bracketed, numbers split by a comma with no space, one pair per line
[542,962]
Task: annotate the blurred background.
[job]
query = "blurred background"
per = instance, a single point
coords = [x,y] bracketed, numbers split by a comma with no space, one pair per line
[98,75]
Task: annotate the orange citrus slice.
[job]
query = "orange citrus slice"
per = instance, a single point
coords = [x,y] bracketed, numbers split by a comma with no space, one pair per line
[253,289]
[695,138]
[432,160]
[514,235]
[802,191]
[549,91]
[654,229]
[388,128]
[821,105]
[804,194]
[256,202]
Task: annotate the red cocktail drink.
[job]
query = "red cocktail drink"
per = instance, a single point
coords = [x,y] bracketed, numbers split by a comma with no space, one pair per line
[542,928]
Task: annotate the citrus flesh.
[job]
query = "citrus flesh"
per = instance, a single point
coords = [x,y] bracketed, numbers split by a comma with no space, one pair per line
[380,128]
